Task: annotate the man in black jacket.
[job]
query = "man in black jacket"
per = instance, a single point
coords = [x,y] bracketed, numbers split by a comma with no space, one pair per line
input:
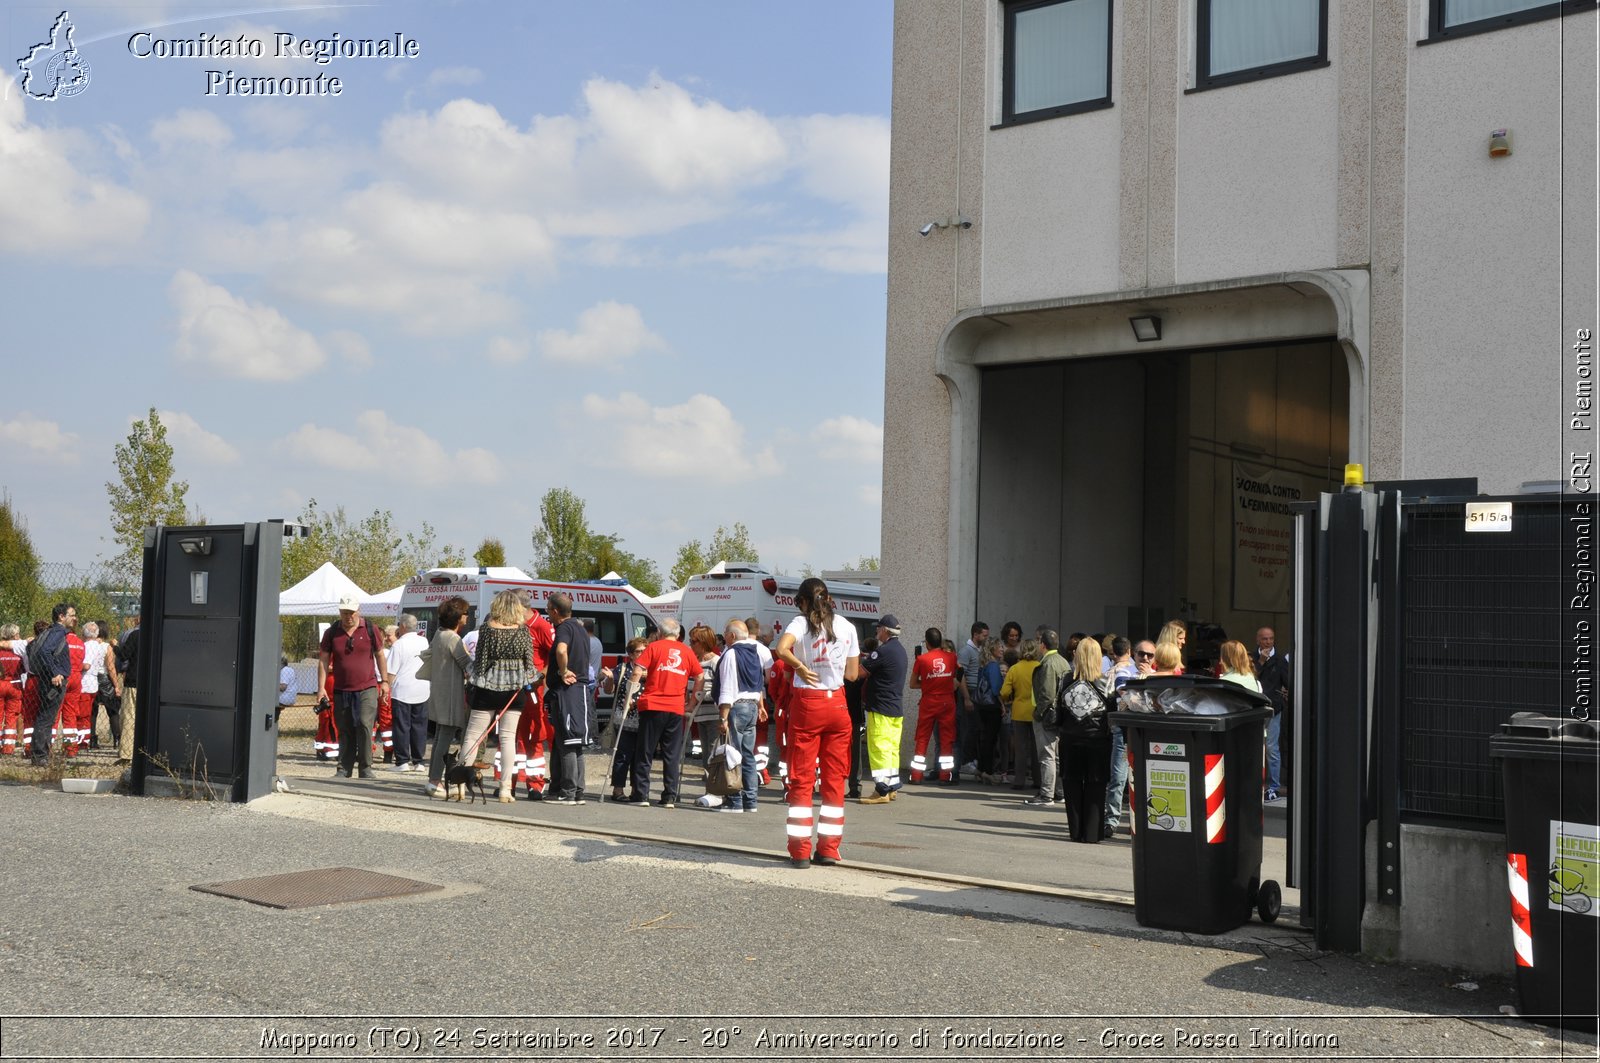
[1272,668]
[55,663]
[128,666]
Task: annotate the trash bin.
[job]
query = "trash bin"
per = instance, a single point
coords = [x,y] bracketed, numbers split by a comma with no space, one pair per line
[1548,765]
[1196,814]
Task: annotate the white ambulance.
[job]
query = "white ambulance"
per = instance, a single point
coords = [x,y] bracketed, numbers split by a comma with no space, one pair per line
[736,590]
[618,609]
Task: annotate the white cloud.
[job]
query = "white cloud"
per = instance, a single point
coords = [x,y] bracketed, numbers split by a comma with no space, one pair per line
[675,441]
[850,439]
[870,494]
[195,442]
[504,350]
[606,332]
[51,201]
[190,126]
[45,438]
[844,158]
[392,450]
[682,143]
[237,338]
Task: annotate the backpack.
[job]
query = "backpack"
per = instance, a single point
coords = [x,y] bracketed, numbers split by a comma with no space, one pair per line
[1083,707]
[40,663]
[987,694]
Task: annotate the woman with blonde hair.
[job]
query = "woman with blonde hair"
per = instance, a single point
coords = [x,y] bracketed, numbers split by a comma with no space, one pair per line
[1086,742]
[1237,666]
[502,666]
[1016,693]
[1168,660]
[1174,633]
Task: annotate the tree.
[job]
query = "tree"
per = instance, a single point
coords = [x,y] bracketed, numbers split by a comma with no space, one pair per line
[144,494]
[21,593]
[491,553]
[863,564]
[370,551]
[695,558]
[561,542]
[690,563]
[607,556]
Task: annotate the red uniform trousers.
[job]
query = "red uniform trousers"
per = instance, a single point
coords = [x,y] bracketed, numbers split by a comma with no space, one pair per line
[533,742]
[76,707]
[383,728]
[818,734]
[326,742]
[10,715]
[30,712]
[930,713]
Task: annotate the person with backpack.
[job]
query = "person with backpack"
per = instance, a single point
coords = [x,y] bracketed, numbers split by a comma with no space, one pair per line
[1085,698]
[352,653]
[50,662]
[739,687]
[986,706]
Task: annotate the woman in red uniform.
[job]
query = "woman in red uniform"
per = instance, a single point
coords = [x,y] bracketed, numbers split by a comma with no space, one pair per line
[821,648]
[10,687]
[936,674]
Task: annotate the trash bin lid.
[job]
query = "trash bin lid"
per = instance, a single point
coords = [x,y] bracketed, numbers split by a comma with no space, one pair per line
[1245,706]
[1533,734]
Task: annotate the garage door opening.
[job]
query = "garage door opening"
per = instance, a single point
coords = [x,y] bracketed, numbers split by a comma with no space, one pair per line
[1117,493]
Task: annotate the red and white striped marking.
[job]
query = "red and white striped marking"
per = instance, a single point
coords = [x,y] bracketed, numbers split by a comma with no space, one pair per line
[1216,809]
[1521,921]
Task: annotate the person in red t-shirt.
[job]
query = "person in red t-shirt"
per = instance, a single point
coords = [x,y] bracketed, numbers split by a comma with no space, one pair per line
[352,650]
[668,670]
[937,675]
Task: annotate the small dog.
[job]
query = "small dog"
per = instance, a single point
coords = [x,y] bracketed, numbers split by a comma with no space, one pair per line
[459,779]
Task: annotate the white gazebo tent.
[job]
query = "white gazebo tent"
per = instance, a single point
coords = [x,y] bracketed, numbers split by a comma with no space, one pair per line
[319,593]
[385,604]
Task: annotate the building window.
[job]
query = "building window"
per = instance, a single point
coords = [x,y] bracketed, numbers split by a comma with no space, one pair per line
[1243,40]
[1057,58]
[1460,18]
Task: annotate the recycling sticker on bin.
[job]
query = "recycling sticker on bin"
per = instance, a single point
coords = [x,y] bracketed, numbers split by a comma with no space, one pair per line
[1166,749]
[1167,794]
[1574,867]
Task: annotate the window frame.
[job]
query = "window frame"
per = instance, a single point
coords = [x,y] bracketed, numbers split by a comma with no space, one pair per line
[1437,31]
[1008,88]
[1204,80]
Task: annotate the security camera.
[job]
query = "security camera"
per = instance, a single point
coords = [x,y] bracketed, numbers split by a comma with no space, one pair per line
[965,223]
[928,228]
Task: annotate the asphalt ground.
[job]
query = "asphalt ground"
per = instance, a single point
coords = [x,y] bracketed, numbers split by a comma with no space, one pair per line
[546,943]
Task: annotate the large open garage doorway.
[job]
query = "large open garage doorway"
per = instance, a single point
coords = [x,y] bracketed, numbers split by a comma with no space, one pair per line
[1116,493]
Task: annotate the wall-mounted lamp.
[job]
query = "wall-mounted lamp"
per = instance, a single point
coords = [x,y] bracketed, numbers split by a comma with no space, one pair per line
[196,546]
[959,221]
[1499,143]
[1146,328]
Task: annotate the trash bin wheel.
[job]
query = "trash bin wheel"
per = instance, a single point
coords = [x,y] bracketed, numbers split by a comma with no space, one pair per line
[1269,901]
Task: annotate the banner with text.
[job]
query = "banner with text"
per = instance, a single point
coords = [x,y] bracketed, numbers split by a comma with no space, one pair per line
[1263,534]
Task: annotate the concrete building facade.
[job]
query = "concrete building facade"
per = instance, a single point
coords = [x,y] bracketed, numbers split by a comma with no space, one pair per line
[1340,261]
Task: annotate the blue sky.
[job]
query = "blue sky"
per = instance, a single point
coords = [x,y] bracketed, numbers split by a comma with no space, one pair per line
[636,249]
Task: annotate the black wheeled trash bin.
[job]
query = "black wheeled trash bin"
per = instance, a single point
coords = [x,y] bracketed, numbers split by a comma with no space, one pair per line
[1195,744]
[1548,765]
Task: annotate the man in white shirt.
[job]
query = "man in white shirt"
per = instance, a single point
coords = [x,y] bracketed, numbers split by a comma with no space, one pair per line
[409,696]
[740,686]
[288,684]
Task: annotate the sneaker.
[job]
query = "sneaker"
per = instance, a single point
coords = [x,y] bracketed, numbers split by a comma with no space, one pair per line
[433,789]
[341,773]
[638,802]
[732,808]
[401,769]
[1038,801]
[1272,795]
[365,773]
[708,801]
[970,767]
[664,803]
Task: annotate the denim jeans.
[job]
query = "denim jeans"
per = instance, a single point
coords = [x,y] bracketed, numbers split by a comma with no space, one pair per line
[742,736]
[410,731]
[1117,788]
[1274,758]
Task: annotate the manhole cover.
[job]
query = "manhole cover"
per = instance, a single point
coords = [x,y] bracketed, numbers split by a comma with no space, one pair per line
[310,889]
[883,845]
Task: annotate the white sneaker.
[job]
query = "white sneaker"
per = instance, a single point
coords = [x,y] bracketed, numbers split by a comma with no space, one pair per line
[401,769]
[708,801]
[969,768]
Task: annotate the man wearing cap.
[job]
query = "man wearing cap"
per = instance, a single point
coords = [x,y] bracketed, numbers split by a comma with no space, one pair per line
[352,652]
[886,683]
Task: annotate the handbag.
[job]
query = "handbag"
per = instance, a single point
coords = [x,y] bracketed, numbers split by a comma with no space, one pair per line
[721,779]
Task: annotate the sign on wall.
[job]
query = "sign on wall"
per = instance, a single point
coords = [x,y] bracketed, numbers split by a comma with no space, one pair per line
[1263,535]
